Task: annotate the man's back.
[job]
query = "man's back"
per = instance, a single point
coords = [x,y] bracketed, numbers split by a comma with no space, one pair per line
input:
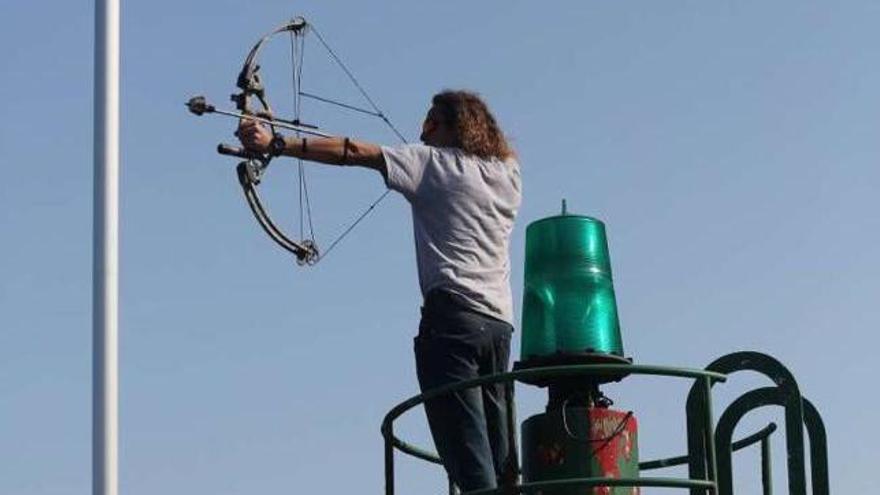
[463,214]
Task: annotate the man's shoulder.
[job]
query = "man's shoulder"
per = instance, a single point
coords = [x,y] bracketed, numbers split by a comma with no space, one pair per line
[418,148]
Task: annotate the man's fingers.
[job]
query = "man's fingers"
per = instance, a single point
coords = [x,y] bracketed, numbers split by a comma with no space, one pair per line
[247,128]
[248,121]
[250,132]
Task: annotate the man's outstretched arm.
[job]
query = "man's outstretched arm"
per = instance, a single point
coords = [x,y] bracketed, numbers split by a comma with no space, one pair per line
[332,150]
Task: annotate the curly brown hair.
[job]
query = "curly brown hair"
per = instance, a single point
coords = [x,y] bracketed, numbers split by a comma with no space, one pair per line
[475,128]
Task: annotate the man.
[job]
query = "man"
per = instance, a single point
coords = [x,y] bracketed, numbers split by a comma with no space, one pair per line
[464,188]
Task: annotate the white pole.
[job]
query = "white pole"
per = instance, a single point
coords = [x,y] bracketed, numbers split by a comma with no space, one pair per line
[105,262]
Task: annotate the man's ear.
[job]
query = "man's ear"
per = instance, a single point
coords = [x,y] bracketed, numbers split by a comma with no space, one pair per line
[428,128]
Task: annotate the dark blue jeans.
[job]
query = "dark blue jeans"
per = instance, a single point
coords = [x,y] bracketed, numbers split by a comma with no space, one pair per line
[471,427]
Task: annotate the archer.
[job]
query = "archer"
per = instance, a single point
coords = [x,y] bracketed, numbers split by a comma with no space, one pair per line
[463,185]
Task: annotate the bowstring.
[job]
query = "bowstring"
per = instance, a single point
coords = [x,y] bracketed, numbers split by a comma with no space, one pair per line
[380,114]
[297,49]
[296,110]
[297,54]
[302,55]
[354,224]
[357,84]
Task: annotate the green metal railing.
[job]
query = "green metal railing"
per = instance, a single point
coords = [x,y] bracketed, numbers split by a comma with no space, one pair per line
[703,379]
[762,436]
[709,448]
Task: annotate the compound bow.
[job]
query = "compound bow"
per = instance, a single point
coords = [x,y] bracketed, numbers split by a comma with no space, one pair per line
[252,169]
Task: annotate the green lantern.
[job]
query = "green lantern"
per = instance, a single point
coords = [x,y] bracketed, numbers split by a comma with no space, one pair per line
[569,309]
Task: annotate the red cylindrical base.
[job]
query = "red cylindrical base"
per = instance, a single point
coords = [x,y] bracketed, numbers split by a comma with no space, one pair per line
[580,442]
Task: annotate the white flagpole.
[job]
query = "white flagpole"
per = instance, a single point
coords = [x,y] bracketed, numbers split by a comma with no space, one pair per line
[105,262]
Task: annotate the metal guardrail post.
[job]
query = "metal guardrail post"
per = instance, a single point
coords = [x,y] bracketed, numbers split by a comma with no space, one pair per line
[711,461]
[818,449]
[453,490]
[766,467]
[696,435]
[388,433]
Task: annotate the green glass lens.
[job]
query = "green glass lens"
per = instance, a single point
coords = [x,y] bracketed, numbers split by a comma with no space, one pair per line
[568,304]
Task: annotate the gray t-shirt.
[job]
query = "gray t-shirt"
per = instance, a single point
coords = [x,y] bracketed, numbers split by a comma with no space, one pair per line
[463,210]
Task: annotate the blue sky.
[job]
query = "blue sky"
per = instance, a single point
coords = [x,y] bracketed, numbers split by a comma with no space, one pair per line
[730,147]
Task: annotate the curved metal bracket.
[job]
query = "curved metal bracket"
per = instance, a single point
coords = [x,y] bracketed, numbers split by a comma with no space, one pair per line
[775,396]
[786,393]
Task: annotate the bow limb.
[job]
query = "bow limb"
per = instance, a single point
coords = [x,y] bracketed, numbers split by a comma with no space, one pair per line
[248,178]
[249,79]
